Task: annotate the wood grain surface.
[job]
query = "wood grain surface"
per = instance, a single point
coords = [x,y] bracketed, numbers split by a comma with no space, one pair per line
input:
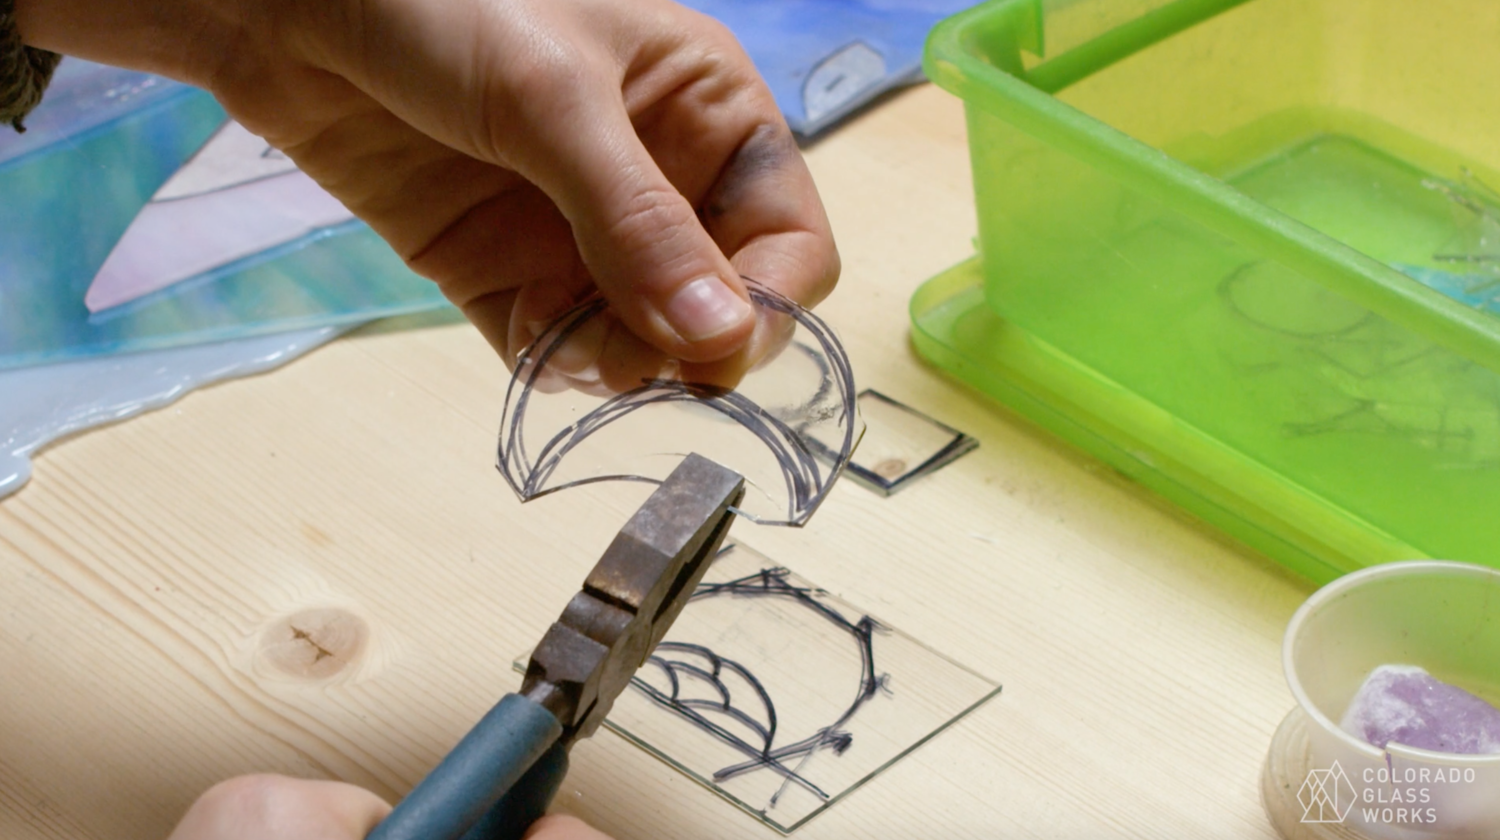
[319,572]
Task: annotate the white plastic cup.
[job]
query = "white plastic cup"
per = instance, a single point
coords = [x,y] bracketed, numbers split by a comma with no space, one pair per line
[1441,616]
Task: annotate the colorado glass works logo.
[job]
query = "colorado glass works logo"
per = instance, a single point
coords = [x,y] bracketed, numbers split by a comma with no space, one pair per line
[1389,796]
[1327,796]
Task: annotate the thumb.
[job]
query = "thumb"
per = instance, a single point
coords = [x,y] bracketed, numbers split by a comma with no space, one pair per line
[640,239]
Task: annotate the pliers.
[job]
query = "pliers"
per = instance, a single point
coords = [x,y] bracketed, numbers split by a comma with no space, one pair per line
[500,778]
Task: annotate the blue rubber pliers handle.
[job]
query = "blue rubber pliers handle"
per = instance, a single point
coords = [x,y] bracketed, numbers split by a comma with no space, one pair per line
[498,780]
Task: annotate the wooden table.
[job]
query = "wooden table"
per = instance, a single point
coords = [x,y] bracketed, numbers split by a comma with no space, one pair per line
[148,569]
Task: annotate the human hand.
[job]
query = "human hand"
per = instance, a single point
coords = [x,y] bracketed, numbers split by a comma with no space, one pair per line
[266,807]
[521,153]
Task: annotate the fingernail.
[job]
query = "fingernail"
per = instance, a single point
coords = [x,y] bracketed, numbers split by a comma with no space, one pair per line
[704,309]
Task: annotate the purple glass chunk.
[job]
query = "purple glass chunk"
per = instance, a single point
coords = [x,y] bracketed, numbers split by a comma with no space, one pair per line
[1404,704]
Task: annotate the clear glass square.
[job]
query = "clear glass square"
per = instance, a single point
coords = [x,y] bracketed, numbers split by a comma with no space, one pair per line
[782,698]
[901,444]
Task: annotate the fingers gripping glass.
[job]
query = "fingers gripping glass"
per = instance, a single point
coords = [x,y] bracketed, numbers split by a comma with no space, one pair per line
[788,426]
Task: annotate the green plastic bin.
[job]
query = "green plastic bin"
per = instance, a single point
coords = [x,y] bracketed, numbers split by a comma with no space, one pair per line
[1246,253]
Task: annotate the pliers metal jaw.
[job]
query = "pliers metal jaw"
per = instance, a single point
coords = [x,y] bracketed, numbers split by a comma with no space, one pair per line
[635,592]
[501,776]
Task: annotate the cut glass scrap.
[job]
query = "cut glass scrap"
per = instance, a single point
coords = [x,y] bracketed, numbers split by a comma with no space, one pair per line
[1475,246]
[788,426]
[782,698]
[235,198]
[1470,259]
[902,444]
[100,146]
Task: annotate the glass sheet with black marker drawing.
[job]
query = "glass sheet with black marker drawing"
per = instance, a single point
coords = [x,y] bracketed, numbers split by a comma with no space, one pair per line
[573,416]
[784,699]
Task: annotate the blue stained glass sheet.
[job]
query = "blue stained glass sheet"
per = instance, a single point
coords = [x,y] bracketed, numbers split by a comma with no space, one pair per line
[71,186]
[823,59]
